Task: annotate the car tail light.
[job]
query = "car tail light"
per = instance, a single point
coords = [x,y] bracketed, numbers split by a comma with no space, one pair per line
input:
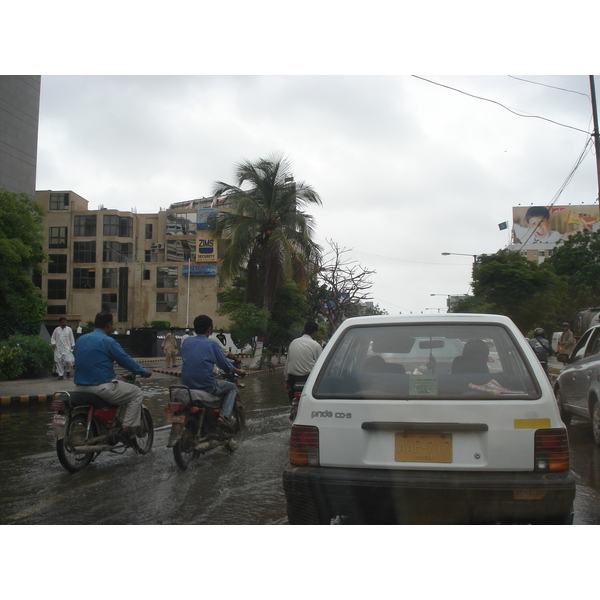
[551,450]
[304,446]
[173,407]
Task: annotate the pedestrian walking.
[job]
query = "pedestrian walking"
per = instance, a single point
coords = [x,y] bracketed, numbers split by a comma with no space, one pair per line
[63,342]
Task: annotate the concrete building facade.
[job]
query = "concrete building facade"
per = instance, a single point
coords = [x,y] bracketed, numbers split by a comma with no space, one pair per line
[140,267]
[19,118]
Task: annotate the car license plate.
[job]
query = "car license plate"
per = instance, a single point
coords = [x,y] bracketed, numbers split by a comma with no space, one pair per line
[59,420]
[176,419]
[423,446]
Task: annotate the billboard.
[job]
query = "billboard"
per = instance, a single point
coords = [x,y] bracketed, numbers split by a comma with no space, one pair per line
[205,217]
[199,270]
[206,249]
[550,224]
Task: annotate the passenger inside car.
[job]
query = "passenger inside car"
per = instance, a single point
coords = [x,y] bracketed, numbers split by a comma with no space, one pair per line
[473,360]
[377,364]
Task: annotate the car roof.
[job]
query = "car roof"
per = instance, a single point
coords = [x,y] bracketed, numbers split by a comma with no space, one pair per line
[428,319]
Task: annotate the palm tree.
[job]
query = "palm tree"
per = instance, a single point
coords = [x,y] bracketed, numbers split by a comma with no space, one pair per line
[269,236]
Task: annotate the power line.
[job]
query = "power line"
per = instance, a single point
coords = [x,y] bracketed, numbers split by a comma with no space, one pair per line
[550,86]
[519,114]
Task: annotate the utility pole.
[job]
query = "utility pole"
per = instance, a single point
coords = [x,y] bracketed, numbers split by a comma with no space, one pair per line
[596,133]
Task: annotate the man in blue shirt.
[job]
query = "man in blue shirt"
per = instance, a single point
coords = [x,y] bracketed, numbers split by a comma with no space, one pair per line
[95,355]
[200,354]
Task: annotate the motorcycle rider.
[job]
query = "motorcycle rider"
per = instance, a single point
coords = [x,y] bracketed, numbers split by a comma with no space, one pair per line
[95,355]
[542,348]
[301,358]
[200,354]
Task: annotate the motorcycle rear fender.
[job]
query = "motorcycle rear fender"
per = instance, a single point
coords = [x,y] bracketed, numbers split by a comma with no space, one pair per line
[175,434]
[61,430]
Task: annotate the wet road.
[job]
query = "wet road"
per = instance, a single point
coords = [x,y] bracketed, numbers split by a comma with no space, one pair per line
[243,488]
[220,488]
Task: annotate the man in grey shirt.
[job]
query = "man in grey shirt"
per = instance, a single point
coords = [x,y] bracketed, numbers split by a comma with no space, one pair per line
[301,358]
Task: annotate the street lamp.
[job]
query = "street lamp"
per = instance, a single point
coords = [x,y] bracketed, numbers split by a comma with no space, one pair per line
[474,256]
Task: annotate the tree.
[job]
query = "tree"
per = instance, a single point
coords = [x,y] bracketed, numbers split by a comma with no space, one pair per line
[269,236]
[507,283]
[21,241]
[247,321]
[577,259]
[287,317]
[347,283]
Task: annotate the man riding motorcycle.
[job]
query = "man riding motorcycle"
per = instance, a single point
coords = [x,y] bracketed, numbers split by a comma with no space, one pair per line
[95,355]
[200,354]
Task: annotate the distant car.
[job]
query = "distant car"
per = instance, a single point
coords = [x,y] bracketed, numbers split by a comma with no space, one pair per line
[464,440]
[577,387]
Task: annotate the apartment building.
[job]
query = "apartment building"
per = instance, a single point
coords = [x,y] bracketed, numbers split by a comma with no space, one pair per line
[140,267]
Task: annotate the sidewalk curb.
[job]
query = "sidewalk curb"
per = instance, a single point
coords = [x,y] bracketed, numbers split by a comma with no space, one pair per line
[9,400]
[45,398]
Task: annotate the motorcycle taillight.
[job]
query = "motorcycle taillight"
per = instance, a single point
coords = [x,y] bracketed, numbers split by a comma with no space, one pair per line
[173,407]
[57,406]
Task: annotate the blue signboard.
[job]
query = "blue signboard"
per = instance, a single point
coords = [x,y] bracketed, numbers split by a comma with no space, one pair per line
[205,217]
[202,269]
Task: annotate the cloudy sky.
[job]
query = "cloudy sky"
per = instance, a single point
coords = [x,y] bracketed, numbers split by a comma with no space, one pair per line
[406,168]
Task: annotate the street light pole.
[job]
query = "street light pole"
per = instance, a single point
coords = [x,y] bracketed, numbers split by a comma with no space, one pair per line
[596,134]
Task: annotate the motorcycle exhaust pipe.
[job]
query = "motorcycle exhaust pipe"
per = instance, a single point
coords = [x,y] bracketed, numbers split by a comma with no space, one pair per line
[209,445]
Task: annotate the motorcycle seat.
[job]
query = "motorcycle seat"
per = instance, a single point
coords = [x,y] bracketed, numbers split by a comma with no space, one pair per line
[200,398]
[74,399]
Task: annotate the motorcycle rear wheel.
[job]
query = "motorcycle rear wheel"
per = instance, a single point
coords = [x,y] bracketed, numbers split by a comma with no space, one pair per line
[143,442]
[183,450]
[75,436]
[237,421]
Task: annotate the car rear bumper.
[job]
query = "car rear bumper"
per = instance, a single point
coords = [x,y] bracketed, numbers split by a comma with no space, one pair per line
[322,495]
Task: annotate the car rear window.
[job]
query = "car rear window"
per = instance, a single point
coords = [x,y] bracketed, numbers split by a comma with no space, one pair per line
[426,361]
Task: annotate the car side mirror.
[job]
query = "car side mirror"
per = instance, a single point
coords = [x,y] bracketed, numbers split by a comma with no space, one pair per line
[563,358]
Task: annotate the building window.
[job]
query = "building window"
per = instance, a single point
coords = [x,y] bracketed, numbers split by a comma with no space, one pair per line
[109,278]
[181,250]
[166,302]
[148,231]
[57,263]
[57,237]
[118,226]
[57,309]
[181,223]
[166,277]
[85,225]
[84,252]
[109,303]
[84,279]
[117,252]
[146,274]
[149,256]
[57,289]
[59,201]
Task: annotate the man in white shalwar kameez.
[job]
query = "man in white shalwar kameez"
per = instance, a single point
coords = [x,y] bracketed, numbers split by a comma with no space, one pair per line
[63,342]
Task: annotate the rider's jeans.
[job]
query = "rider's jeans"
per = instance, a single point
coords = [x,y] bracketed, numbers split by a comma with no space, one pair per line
[119,392]
[227,391]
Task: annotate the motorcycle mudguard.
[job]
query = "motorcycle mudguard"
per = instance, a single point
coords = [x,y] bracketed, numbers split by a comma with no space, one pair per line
[59,423]
[175,434]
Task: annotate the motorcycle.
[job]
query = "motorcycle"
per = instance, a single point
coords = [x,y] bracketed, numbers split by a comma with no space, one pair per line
[195,429]
[85,425]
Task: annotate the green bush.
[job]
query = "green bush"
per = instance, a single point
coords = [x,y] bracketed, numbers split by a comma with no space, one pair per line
[160,324]
[25,356]
[12,361]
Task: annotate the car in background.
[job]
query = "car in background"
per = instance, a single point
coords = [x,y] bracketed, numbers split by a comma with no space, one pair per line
[577,387]
[464,440]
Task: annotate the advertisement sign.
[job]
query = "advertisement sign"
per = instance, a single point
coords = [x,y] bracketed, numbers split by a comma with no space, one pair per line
[206,249]
[205,217]
[206,270]
[550,224]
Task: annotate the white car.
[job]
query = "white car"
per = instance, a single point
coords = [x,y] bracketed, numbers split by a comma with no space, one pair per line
[462,438]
